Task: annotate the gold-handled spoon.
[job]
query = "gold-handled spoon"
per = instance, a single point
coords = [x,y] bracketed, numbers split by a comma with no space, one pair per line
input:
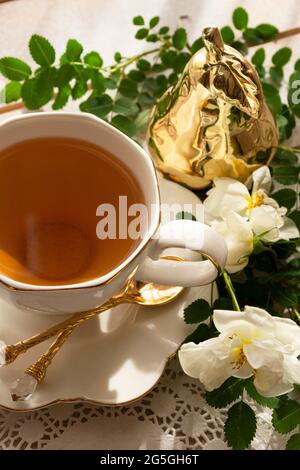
[135,292]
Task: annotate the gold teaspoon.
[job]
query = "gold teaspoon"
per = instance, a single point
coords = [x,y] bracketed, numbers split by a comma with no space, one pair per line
[135,292]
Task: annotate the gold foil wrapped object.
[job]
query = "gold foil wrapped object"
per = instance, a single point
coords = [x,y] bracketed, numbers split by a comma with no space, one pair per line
[214,120]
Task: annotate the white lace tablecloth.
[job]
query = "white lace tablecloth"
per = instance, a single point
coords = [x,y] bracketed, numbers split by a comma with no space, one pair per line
[174,415]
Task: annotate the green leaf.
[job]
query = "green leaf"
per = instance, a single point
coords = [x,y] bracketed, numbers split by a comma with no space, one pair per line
[98,105]
[227,34]
[197,44]
[201,333]
[295,216]
[79,89]
[172,78]
[138,20]
[179,38]
[259,57]
[285,158]
[80,72]
[152,38]
[144,65]
[181,61]
[294,442]
[141,33]
[270,402]
[128,88]
[259,246]
[142,119]
[145,99]
[272,98]
[282,57]
[118,57]
[283,249]
[285,197]
[223,303]
[154,21]
[124,125]
[286,417]
[297,65]
[185,215]
[32,95]
[164,30]
[63,59]
[284,297]
[14,69]
[136,75]
[240,426]
[98,83]
[74,50]
[281,122]
[29,94]
[285,274]
[125,106]
[288,130]
[151,85]
[161,83]
[276,74]
[252,36]
[197,311]
[94,59]
[62,97]
[261,71]
[11,92]
[286,175]
[64,75]
[229,391]
[267,31]
[41,50]
[46,79]
[169,58]
[240,18]
[240,46]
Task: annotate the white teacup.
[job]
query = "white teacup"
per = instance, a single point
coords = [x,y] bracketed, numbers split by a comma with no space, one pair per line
[144,260]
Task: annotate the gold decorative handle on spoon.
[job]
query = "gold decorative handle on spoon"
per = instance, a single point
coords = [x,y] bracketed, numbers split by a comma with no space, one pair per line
[24,387]
[134,292]
[12,351]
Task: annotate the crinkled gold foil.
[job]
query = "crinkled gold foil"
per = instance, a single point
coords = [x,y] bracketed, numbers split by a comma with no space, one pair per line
[214,120]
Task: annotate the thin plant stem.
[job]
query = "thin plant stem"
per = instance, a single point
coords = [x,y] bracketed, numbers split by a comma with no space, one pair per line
[288,149]
[230,290]
[122,65]
[211,301]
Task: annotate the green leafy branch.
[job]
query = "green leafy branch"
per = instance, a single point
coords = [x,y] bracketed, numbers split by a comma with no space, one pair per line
[124,92]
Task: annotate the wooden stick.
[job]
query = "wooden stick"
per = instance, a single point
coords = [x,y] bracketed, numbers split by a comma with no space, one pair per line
[283,35]
[12,107]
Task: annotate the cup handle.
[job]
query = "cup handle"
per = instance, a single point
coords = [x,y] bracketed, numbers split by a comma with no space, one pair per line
[185,234]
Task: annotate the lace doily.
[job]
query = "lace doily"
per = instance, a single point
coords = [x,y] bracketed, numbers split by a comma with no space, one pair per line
[174,415]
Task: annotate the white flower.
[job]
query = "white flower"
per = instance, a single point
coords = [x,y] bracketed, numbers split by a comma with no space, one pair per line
[266,217]
[238,235]
[251,343]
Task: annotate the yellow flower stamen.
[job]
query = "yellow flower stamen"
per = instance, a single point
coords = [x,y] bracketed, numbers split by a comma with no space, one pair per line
[238,357]
[255,200]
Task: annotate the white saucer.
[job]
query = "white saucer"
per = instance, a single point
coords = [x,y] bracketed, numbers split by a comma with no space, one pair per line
[113,359]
